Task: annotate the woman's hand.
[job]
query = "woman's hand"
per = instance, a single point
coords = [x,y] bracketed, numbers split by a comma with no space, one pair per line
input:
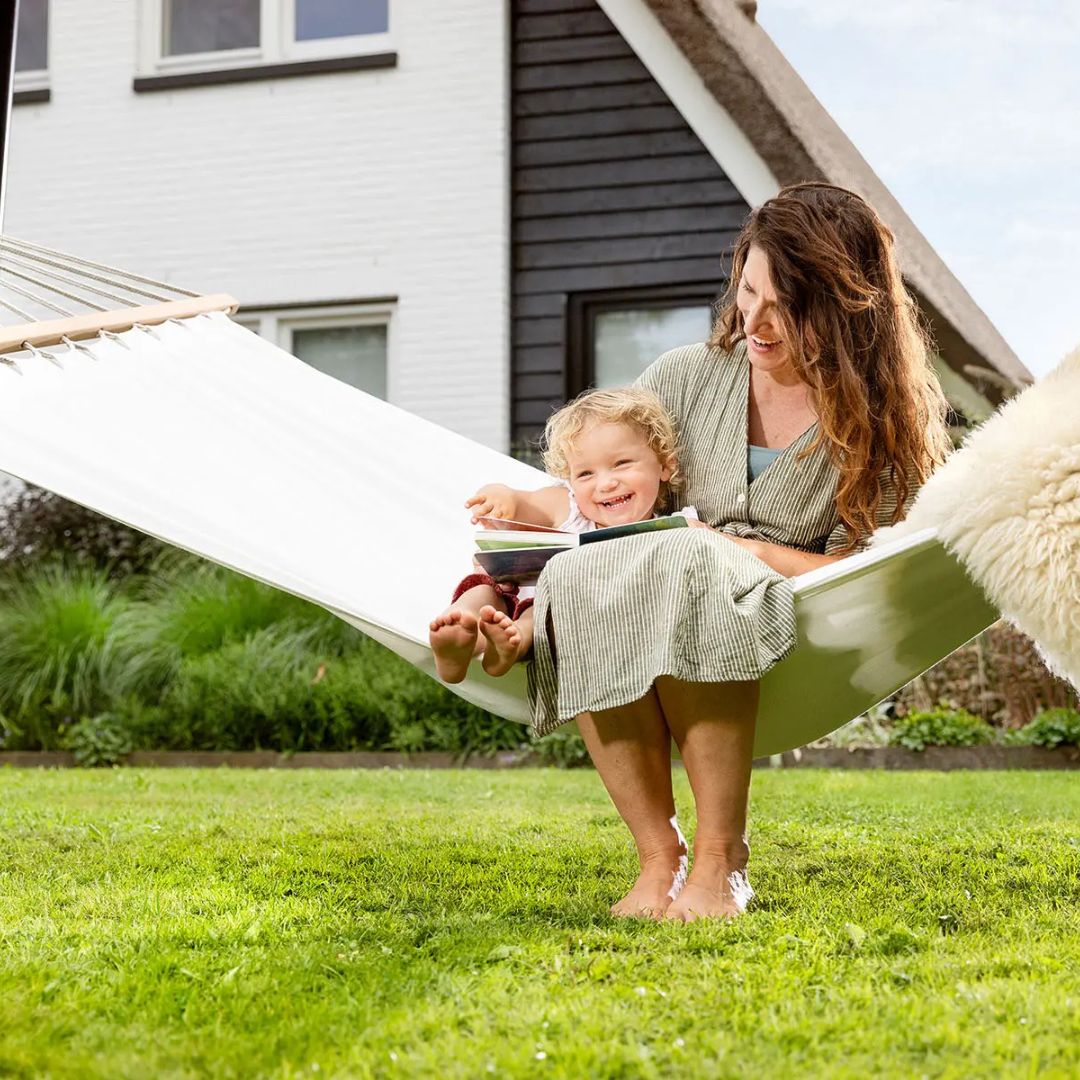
[755,547]
[493,500]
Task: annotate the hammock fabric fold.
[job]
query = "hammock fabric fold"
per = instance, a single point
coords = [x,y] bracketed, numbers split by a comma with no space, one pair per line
[204,435]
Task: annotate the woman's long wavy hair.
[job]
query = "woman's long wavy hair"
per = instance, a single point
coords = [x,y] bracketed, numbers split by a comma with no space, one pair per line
[855,337]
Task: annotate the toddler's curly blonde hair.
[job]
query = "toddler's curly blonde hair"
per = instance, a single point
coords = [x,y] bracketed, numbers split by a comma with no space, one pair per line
[630,405]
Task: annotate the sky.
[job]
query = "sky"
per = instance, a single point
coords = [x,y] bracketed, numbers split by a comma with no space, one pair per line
[969,111]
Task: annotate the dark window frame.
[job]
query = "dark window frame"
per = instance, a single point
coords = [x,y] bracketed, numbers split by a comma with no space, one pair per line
[582,309]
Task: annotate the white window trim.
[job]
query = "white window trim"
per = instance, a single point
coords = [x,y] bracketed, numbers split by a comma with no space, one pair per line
[277,18]
[277,325]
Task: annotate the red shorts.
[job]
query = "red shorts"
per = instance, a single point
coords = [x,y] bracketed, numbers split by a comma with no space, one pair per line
[507,591]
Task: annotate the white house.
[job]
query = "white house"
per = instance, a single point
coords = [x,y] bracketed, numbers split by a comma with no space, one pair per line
[472,207]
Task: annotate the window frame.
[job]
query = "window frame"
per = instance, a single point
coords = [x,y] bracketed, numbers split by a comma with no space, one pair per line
[277,43]
[276,323]
[582,309]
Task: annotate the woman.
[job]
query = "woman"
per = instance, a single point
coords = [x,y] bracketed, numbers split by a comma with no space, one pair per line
[809,419]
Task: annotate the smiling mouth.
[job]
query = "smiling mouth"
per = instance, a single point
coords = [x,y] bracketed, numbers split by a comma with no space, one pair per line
[614,504]
[761,343]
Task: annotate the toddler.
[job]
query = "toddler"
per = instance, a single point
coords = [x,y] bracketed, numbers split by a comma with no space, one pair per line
[614,453]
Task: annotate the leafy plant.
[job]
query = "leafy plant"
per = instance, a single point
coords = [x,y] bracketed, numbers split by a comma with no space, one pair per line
[940,727]
[1052,727]
[563,747]
[100,740]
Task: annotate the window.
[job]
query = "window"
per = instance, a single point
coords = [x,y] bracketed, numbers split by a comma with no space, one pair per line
[32,45]
[207,35]
[354,354]
[206,26]
[319,19]
[613,337]
[349,342]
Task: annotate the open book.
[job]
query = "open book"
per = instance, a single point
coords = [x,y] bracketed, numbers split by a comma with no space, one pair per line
[513,551]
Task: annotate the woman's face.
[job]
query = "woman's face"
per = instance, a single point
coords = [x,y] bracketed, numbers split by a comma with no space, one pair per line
[757,304]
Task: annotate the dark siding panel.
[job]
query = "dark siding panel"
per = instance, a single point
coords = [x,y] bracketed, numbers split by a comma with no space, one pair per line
[664,222]
[604,122]
[608,174]
[538,331]
[610,148]
[645,197]
[629,276]
[546,7]
[630,249]
[539,358]
[541,307]
[548,27]
[611,190]
[579,47]
[527,411]
[545,385]
[586,99]
[586,73]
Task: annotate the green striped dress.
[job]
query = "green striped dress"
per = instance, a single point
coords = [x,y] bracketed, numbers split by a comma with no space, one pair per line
[686,603]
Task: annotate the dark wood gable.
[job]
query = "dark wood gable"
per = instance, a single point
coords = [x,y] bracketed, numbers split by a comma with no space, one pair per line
[615,199]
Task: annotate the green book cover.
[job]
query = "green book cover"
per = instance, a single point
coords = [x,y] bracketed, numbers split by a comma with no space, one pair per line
[614,532]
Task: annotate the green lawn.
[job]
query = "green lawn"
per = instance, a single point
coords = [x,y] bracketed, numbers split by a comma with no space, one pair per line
[176,923]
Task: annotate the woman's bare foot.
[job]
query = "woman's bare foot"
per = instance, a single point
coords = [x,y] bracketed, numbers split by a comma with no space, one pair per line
[504,641]
[661,880]
[717,887]
[453,639]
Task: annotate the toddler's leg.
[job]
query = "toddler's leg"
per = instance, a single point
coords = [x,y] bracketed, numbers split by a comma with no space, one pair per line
[453,635]
[508,641]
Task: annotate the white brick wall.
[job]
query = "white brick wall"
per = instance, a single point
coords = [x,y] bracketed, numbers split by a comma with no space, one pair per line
[359,184]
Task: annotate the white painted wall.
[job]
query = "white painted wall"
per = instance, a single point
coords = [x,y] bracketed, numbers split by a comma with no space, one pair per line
[358,184]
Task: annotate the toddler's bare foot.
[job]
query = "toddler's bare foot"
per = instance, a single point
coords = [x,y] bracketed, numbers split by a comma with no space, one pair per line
[504,642]
[453,640]
[717,888]
[662,877]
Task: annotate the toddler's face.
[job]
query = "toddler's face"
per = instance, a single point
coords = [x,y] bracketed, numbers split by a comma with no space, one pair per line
[615,474]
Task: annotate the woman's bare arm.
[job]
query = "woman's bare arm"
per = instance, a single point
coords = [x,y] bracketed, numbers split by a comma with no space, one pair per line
[787,561]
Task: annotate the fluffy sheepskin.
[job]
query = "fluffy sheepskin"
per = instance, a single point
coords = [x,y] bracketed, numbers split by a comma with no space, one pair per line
[1007,504]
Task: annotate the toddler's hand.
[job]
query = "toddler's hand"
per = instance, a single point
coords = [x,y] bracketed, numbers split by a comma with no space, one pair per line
[493,501]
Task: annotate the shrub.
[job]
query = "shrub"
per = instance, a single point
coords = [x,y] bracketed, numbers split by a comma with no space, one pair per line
[60,653]
[202,658]
[563,747]
[999,675]
[940,727]
[39,526]
[100,740]
[1052,727]
[278,690]
[190,607]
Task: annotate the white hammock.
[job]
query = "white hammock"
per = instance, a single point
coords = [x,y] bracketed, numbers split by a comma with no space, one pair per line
[204,435]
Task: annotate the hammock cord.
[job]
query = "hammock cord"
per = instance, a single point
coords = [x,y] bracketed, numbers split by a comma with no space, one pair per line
[53,281]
